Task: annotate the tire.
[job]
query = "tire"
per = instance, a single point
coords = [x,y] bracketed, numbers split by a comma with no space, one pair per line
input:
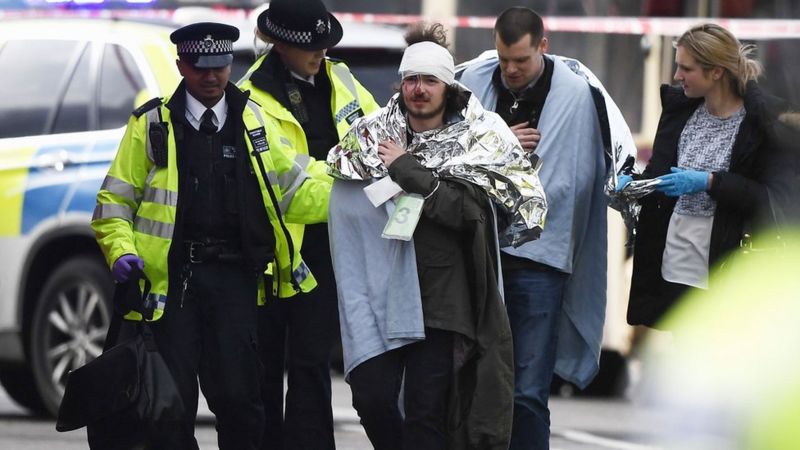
[18,383]
[69,324]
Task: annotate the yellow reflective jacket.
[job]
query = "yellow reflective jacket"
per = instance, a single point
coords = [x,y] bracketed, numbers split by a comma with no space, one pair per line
[349,100]
[137,203]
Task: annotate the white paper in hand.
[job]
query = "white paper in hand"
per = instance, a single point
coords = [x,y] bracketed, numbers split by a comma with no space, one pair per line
[382,190]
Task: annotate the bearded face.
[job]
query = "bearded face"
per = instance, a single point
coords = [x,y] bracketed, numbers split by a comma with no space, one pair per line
[424,96]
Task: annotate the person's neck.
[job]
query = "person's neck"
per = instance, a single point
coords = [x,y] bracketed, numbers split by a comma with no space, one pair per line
[722,102]
[210,103]
[418,125]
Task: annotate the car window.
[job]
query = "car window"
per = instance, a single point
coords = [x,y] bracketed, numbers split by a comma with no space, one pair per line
[73,115]
[120,82]
[32,71]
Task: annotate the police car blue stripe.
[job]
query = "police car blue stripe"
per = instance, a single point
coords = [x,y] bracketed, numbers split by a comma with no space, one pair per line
[50,192]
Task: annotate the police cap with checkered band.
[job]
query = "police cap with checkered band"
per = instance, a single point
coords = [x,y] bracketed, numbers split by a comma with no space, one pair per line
[305,24]
[205,44]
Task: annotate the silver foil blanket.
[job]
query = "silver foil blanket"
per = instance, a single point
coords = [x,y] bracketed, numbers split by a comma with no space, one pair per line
[479,149]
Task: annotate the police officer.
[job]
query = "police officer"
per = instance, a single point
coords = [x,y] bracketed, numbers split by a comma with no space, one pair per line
[315,99]
[192,198]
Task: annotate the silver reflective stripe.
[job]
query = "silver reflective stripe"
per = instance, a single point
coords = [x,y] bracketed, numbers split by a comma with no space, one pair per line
[150,175]
[161,196]
[254,107]
[346,78]
[112,211]
[272,177]
[153,227]
[289,183]
[120,188]
[151,116]
[302,160]
[286,141]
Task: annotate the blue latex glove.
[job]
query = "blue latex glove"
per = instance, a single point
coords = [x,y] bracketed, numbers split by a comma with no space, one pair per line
[682,182]
[623,181]
[125,266]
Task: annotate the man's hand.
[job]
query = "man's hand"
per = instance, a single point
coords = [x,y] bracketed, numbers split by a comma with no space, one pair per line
[388,151]
[125,266]
[528,137]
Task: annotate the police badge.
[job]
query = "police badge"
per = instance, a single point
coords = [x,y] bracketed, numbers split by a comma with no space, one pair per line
[322,26]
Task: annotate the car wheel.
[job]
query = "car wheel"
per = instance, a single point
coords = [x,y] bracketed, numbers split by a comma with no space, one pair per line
[69,324]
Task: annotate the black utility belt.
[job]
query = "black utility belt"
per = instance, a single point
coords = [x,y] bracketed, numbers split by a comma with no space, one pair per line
[205,251]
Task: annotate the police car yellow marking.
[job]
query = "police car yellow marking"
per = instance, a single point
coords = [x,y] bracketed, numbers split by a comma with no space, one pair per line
[14,163]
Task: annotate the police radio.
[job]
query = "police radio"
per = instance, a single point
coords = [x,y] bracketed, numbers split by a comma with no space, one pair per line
[157,133]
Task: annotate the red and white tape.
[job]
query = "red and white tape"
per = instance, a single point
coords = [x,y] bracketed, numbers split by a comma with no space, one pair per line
[742,28]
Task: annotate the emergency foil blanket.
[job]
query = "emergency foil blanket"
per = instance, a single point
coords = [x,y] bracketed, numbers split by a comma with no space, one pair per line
[480,149]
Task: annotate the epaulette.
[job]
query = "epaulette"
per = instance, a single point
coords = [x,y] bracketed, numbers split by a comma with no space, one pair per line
[150,104]
[250,99]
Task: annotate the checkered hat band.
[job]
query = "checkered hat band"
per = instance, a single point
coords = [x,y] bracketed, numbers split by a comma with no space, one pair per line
[286,35]
[206,47]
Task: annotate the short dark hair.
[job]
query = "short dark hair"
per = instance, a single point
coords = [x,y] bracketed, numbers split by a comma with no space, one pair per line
[515,22]
[455,100]
[426,32]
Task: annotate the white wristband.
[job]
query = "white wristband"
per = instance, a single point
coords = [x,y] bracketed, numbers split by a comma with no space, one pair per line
[434,190]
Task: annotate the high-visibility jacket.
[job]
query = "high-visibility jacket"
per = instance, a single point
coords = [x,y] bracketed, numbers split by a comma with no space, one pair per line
[349,100]
[137,203]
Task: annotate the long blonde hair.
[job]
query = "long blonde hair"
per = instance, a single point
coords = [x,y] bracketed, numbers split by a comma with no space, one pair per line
[713,46]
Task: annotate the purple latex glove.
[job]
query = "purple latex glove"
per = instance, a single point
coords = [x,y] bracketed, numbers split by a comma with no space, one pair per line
[682,182]
[125,266]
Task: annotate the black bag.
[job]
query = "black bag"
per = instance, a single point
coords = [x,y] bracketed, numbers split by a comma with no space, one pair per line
[128,388]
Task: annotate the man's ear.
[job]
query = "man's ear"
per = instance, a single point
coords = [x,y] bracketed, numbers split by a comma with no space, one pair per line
[544,45]
[180,64]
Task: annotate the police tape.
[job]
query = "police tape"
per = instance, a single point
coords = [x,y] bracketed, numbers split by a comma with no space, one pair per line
[663,26]
[742,28]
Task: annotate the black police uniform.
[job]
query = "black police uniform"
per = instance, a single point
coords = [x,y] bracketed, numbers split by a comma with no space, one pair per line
[309,323]
[221,246]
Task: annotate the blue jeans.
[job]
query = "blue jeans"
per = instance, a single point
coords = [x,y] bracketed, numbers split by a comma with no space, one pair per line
[533,301]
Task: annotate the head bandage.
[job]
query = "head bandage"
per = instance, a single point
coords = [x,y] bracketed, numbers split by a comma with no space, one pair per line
[428,58]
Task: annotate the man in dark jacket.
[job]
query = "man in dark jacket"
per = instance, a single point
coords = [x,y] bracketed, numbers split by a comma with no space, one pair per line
[457,381]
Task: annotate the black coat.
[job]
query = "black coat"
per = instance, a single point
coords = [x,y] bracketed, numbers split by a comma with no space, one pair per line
[740,193]
[456,249]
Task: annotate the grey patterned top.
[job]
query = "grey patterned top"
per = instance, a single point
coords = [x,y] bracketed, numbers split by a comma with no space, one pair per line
[705,144]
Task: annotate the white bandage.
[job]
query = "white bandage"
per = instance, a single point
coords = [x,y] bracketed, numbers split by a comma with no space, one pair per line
[428,58]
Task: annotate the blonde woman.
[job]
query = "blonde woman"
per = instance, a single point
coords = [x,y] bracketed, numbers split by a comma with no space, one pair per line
[713,155]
